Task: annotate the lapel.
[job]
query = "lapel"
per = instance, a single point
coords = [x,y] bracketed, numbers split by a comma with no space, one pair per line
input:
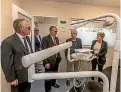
[102,45]
[78,43]
[20,43]
[94,44]
[37,39]
[28,40]
[50,40]
[57,42]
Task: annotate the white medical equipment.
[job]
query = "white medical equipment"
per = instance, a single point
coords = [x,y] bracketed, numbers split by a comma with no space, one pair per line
[83,54]
[30,59]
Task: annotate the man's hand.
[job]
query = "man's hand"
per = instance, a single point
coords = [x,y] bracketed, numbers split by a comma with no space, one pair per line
[47,66]
[14,83]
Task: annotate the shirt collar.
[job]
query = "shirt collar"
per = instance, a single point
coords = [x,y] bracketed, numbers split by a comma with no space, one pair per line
[52,36]
[37,35]
[74,40]
[20,36]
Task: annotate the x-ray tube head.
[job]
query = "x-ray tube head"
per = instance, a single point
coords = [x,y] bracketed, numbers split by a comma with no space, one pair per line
[43,54]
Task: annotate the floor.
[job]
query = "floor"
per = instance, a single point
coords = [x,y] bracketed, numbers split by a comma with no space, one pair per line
[38,86]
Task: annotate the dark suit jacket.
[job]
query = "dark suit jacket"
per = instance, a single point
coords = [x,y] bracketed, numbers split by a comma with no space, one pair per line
[102,52]
[12,50]
[37,43]
[79,46]
[47,42]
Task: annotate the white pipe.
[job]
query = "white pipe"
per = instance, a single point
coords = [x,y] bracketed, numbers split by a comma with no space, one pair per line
[114,72]
[98,17]
[43,54]
[116,55]
[31,71]
[65,75]
[69,57]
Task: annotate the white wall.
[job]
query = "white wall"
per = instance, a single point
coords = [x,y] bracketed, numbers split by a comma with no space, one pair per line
[44,29]
[44,24]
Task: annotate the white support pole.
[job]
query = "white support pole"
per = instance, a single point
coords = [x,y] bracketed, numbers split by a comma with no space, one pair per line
[65,75]
[116,56]
[31,72]
[69,57]
[33,58]
[114,72]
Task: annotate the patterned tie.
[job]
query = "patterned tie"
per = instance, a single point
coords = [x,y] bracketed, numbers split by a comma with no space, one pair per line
[54,42]
[25,44]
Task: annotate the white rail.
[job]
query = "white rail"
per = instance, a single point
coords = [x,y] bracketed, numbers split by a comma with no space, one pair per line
[65,75]
[43,54]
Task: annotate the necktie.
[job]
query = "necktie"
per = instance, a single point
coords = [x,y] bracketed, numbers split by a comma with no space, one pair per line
[54,42]
[25,44]
[55,45]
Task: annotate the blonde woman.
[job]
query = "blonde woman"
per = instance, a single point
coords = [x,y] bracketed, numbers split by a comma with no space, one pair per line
[99,47]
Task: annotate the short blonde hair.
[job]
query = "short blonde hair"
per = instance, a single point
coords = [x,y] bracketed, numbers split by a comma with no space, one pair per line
[102,34]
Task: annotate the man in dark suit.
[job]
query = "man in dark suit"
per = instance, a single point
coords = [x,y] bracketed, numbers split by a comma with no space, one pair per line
[12,50]
[37,40]
[37,48]
[51,64]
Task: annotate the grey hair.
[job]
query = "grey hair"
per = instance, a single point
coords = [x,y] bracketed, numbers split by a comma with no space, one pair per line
[74,30]
[17,24]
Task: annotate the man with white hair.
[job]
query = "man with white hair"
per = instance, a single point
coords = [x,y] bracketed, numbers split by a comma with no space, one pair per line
[13,48]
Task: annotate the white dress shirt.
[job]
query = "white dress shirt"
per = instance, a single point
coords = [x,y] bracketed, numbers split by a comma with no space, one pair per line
[53,41]
[22,40]
[53,38]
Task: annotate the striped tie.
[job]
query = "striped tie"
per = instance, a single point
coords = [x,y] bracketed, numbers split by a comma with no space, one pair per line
[25,44]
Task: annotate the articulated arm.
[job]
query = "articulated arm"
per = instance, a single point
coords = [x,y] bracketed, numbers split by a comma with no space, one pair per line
[41,55]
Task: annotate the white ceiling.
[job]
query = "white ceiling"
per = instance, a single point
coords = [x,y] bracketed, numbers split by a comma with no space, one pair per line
[114,3]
